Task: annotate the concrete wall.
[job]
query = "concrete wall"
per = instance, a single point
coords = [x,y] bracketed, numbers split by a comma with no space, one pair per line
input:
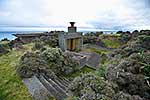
[28,39]
[62,40]
[65,41]
[72,29]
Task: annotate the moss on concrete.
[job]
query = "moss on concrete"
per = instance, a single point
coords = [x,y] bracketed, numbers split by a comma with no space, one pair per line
[80,72]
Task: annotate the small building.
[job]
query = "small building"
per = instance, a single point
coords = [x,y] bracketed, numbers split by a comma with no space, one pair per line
[71,40]
[30,37]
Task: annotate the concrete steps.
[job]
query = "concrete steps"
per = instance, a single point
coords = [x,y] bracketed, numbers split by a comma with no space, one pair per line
[63,82]
[64,87]
[56,87]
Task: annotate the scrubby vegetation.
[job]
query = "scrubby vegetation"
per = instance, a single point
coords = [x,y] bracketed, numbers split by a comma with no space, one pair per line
[103,40]
[49,61]
[30,64]
[58,62]
[130,72]
[123,73]
[93,38]
[91,87]
[38,45]
[127,70]
[4,47]
[51,40]
[111,40]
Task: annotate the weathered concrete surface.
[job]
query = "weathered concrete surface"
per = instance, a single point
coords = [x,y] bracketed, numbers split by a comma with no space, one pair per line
[54,89]
[90,59]
[36,88]
[93,59]
[85,46]
[41,87]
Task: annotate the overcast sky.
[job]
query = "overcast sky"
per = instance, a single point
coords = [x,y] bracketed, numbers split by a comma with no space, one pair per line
[101,14]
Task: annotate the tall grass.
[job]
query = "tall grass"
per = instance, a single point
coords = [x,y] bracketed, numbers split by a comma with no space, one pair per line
[11,86]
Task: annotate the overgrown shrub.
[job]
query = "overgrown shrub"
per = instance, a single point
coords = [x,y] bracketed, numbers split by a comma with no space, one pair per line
[4,48]
[91,87]
[125,36]
[101,71]
[132,72]
[58,61]
[124,96]
[92,38]
[38,46]
[31,64]
[51,41]
[136,45]
[144,60]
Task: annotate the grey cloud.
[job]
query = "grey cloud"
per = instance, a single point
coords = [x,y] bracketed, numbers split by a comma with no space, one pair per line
[141,15]
[29,12]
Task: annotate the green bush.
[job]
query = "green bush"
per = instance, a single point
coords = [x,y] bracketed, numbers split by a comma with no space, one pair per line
[38,46]
[101,71]
[4,48]
[30,64]
[132,68]
[3,94]
[144,40]
[51,41]
[58,62]
[91,87]
[144,60]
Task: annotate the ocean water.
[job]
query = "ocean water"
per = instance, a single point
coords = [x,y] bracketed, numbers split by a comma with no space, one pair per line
[7,35]
[6,32]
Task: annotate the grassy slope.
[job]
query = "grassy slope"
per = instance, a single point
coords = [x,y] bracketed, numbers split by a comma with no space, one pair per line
[84,70]
[4,42]
[111,43]
[99,51]
[11,86]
